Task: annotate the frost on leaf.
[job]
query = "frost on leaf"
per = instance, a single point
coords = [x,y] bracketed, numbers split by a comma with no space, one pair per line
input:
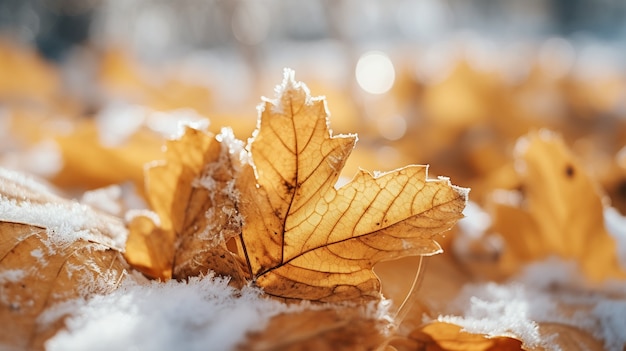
[51,250]
[562,212]
[294,234]
[191,192]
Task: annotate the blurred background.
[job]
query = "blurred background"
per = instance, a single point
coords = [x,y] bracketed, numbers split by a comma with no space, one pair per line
[450,83]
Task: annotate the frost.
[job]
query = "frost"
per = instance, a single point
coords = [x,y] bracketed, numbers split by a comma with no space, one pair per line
[203,313]
[552,291]
[65,221]
[497,310]
[105,199]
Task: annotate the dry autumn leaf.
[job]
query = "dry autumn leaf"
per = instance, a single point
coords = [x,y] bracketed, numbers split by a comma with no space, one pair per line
[440,336]
[562,212]
[51,251]
[332,328]
[297,236]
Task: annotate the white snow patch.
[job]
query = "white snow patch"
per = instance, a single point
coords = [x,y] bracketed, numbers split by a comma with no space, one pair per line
[107,199]
[23,180]
[43,159]
[551,291]
[497,310]
[153,216]
[171,124]
[65,222]
[615,224]
[11,275]
[203,313]
[116,123]
[612,317]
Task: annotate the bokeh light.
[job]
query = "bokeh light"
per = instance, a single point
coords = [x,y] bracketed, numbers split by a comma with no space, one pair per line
[375,73]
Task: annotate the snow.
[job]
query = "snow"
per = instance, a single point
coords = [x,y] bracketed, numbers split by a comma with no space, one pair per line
[612,317]
[65,221]
[205,312]
[496,310]
[117,123]
[43,159]
[549,291]
[615,224]
[11,275]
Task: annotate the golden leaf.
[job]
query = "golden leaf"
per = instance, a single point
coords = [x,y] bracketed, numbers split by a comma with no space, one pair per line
[304,239]
[41,267]
[195,222]
[562,213]
[439,336]
[297,236]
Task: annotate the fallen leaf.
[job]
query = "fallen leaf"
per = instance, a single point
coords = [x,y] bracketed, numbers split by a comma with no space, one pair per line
[561,213]
[193,223]
[51,251]
[332,328]
[297,236]
[440,336]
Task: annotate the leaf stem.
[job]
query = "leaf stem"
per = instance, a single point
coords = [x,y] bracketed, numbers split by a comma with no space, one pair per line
[411,297]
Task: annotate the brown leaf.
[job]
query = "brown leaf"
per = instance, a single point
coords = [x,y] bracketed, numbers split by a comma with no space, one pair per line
[325,329]
[562,213]
[439,336]
[42,266]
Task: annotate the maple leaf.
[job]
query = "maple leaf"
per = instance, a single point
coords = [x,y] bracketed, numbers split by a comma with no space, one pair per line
[297,236]
[562,213]
[304,239]
[51,251]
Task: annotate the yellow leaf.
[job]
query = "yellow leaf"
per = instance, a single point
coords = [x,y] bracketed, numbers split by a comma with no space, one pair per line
[42,266]
[194,222]
[439,336]
[562,213]
[297,236]
[304,239]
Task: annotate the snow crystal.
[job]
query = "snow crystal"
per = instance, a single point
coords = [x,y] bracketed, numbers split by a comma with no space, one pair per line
[497,310]
[234,145]
[203,313]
